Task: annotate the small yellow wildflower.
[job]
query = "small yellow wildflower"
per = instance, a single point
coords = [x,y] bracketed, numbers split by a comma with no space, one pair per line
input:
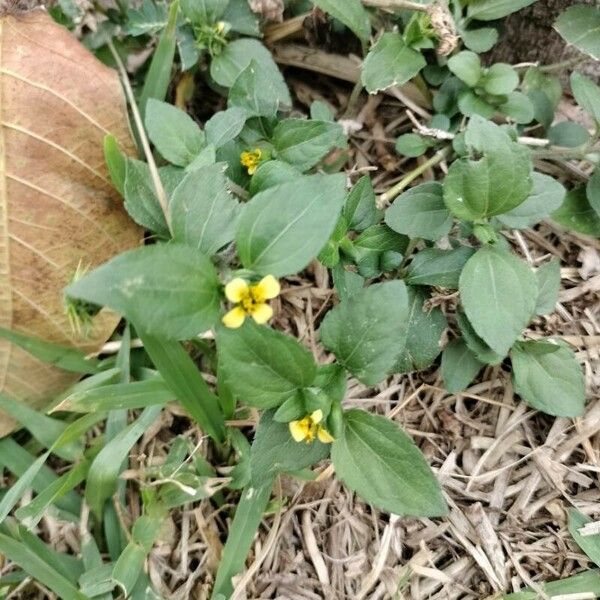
[309,428]
[251,160]
[220,27]
[250,300]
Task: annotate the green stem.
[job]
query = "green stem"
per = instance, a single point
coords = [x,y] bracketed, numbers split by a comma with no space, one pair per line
[565,64]
[396,4]
[385,198]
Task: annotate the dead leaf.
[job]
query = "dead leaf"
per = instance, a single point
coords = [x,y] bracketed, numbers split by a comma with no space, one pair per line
[271,10]
[57,205]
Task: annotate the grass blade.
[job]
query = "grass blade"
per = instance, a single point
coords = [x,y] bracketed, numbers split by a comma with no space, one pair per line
[241,535]
[104,472]
[69,359]
[30,562]
[186,382]
[576,585]
[159,74]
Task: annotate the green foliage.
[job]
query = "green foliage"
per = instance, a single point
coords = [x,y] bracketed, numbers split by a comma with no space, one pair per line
[498,292]
[380,462]
[368,331]
[258,190]
[547,377]
[390,62]
[578,25]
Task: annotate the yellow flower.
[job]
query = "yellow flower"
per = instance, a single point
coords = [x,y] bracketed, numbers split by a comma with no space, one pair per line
[251,160]
[250,300]
[310,428]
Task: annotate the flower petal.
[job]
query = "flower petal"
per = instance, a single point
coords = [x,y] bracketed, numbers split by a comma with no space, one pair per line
[234,318]
[324,436]
[317,416]
[267,288]
[298,430]
[261,313]
[236,289]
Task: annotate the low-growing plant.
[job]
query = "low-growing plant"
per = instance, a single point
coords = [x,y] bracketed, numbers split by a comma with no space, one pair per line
[253,197]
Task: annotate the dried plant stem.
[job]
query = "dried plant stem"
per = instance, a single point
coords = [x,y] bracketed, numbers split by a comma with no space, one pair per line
[158,186]
[385,198]
[396,4]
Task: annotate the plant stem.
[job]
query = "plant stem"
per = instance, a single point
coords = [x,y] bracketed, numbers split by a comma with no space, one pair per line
[158,186]
[396,4]
[565,64]
[385,198]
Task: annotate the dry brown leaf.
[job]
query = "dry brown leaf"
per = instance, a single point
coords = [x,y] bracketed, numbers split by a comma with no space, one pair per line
[57,205]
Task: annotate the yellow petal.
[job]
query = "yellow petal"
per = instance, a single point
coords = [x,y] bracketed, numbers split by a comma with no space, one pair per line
[298,429]
[267,288]
[324,436]
[236,289]
[261,313]
[317,416]
[234,318]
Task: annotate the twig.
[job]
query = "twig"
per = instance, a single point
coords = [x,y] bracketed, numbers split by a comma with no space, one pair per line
[385,198]
[158,186]
[396,4]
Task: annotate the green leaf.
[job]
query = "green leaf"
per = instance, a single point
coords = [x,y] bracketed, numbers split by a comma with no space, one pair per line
[459,366]
[442,268]
[412,145]
[175,134]
[367,332]
[568,134]
[548,278]
[130,396]
[260,92]
[272,173]
[63,357]
[579,26]
[466,65]
[360,209]
[275,451]
[241,19]
[590,544]
[283,228]
[420,212]
[470,104]
[494,184]
[546,196]
[203,213]
[140,198]
[237,56]
[577,214]
[480,40]
[548,377]
[351,13]
[490,10]
[203,12]
[593,191]
[500,79]
[167,289]
[225,126]
[587,94]
[242,531]
[262,366]
[116,162]
[498,292]
[158,77]
[104,471]
[425,329]
[518,107]
[150,18]
[30,561]
[476,345]
[390,62]
[583,584]
[303,143]
[184,379]
[346,283]
[377,460]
